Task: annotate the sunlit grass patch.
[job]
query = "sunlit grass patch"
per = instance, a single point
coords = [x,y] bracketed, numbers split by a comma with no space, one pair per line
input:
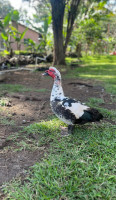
[4,101]
[47,131]
[101,68]
[44,127]
[99,59]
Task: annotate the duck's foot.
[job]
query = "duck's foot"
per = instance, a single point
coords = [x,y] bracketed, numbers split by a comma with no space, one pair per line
[64,131]
[70,129]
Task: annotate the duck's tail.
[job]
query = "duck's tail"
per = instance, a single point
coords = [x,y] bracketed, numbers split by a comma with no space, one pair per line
[94,114]
[89,115]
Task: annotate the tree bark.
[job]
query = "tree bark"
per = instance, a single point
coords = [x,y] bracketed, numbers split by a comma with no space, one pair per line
[78,50]
[72,13]
[58,7]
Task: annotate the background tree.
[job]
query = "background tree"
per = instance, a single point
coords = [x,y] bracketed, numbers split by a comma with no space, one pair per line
[90,28]
[5,8]
[58,11]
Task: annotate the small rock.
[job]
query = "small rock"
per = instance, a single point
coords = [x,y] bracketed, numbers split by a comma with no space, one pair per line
[24,121]
[13,113]
[2,143]
[23,114]
[4,67]
[32,119]
[8,104]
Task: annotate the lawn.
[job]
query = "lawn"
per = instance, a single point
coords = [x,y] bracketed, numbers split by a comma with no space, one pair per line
[101,68]
[82,165]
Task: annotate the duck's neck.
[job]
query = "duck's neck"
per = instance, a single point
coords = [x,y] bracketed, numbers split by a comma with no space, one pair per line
[57,91]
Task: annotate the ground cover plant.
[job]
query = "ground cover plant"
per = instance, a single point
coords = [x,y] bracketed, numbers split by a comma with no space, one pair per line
[82,165]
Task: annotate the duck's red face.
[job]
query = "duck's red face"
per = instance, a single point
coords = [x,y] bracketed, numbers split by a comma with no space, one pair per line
[50,72]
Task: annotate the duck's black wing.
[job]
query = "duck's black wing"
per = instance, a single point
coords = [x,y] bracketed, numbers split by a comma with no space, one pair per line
[69,110]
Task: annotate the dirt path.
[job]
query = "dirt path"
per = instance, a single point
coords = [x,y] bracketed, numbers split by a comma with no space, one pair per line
[32,106]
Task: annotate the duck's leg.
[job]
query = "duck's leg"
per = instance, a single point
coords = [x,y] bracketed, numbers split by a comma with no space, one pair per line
[70,129]
[64,131]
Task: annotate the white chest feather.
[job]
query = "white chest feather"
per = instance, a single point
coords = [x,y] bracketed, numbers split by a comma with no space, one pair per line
[57,91]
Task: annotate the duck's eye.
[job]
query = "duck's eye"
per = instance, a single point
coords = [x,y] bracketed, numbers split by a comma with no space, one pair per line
[50,70]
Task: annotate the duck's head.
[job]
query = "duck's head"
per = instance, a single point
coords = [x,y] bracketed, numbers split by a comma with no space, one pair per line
[53,72]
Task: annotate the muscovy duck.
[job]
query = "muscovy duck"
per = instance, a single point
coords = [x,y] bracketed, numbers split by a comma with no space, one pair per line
[67,109]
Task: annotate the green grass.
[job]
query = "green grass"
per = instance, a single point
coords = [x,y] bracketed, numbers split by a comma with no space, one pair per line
[4,101]
[101,68]
[18,88]
[13,88]
[95,102]
[81,166]
[5,121]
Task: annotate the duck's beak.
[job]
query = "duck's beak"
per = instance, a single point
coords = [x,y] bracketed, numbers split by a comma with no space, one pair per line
[45,73]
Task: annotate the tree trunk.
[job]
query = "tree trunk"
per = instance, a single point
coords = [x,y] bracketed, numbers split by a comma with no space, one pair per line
[78,50]
[58,7]
[72,13]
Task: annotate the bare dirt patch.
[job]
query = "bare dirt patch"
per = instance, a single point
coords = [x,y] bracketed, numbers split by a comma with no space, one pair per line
[33,106]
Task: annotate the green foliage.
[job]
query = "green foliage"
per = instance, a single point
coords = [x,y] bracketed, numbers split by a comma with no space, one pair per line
[4,36]
[7,19]
[4,53]
[31,45]
[15,15]
[44,31]
[6,28]
[41,22]
[3,101]
[18,36]
[92,28]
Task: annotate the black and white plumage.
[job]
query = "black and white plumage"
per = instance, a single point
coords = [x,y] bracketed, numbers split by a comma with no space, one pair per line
[67,109]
